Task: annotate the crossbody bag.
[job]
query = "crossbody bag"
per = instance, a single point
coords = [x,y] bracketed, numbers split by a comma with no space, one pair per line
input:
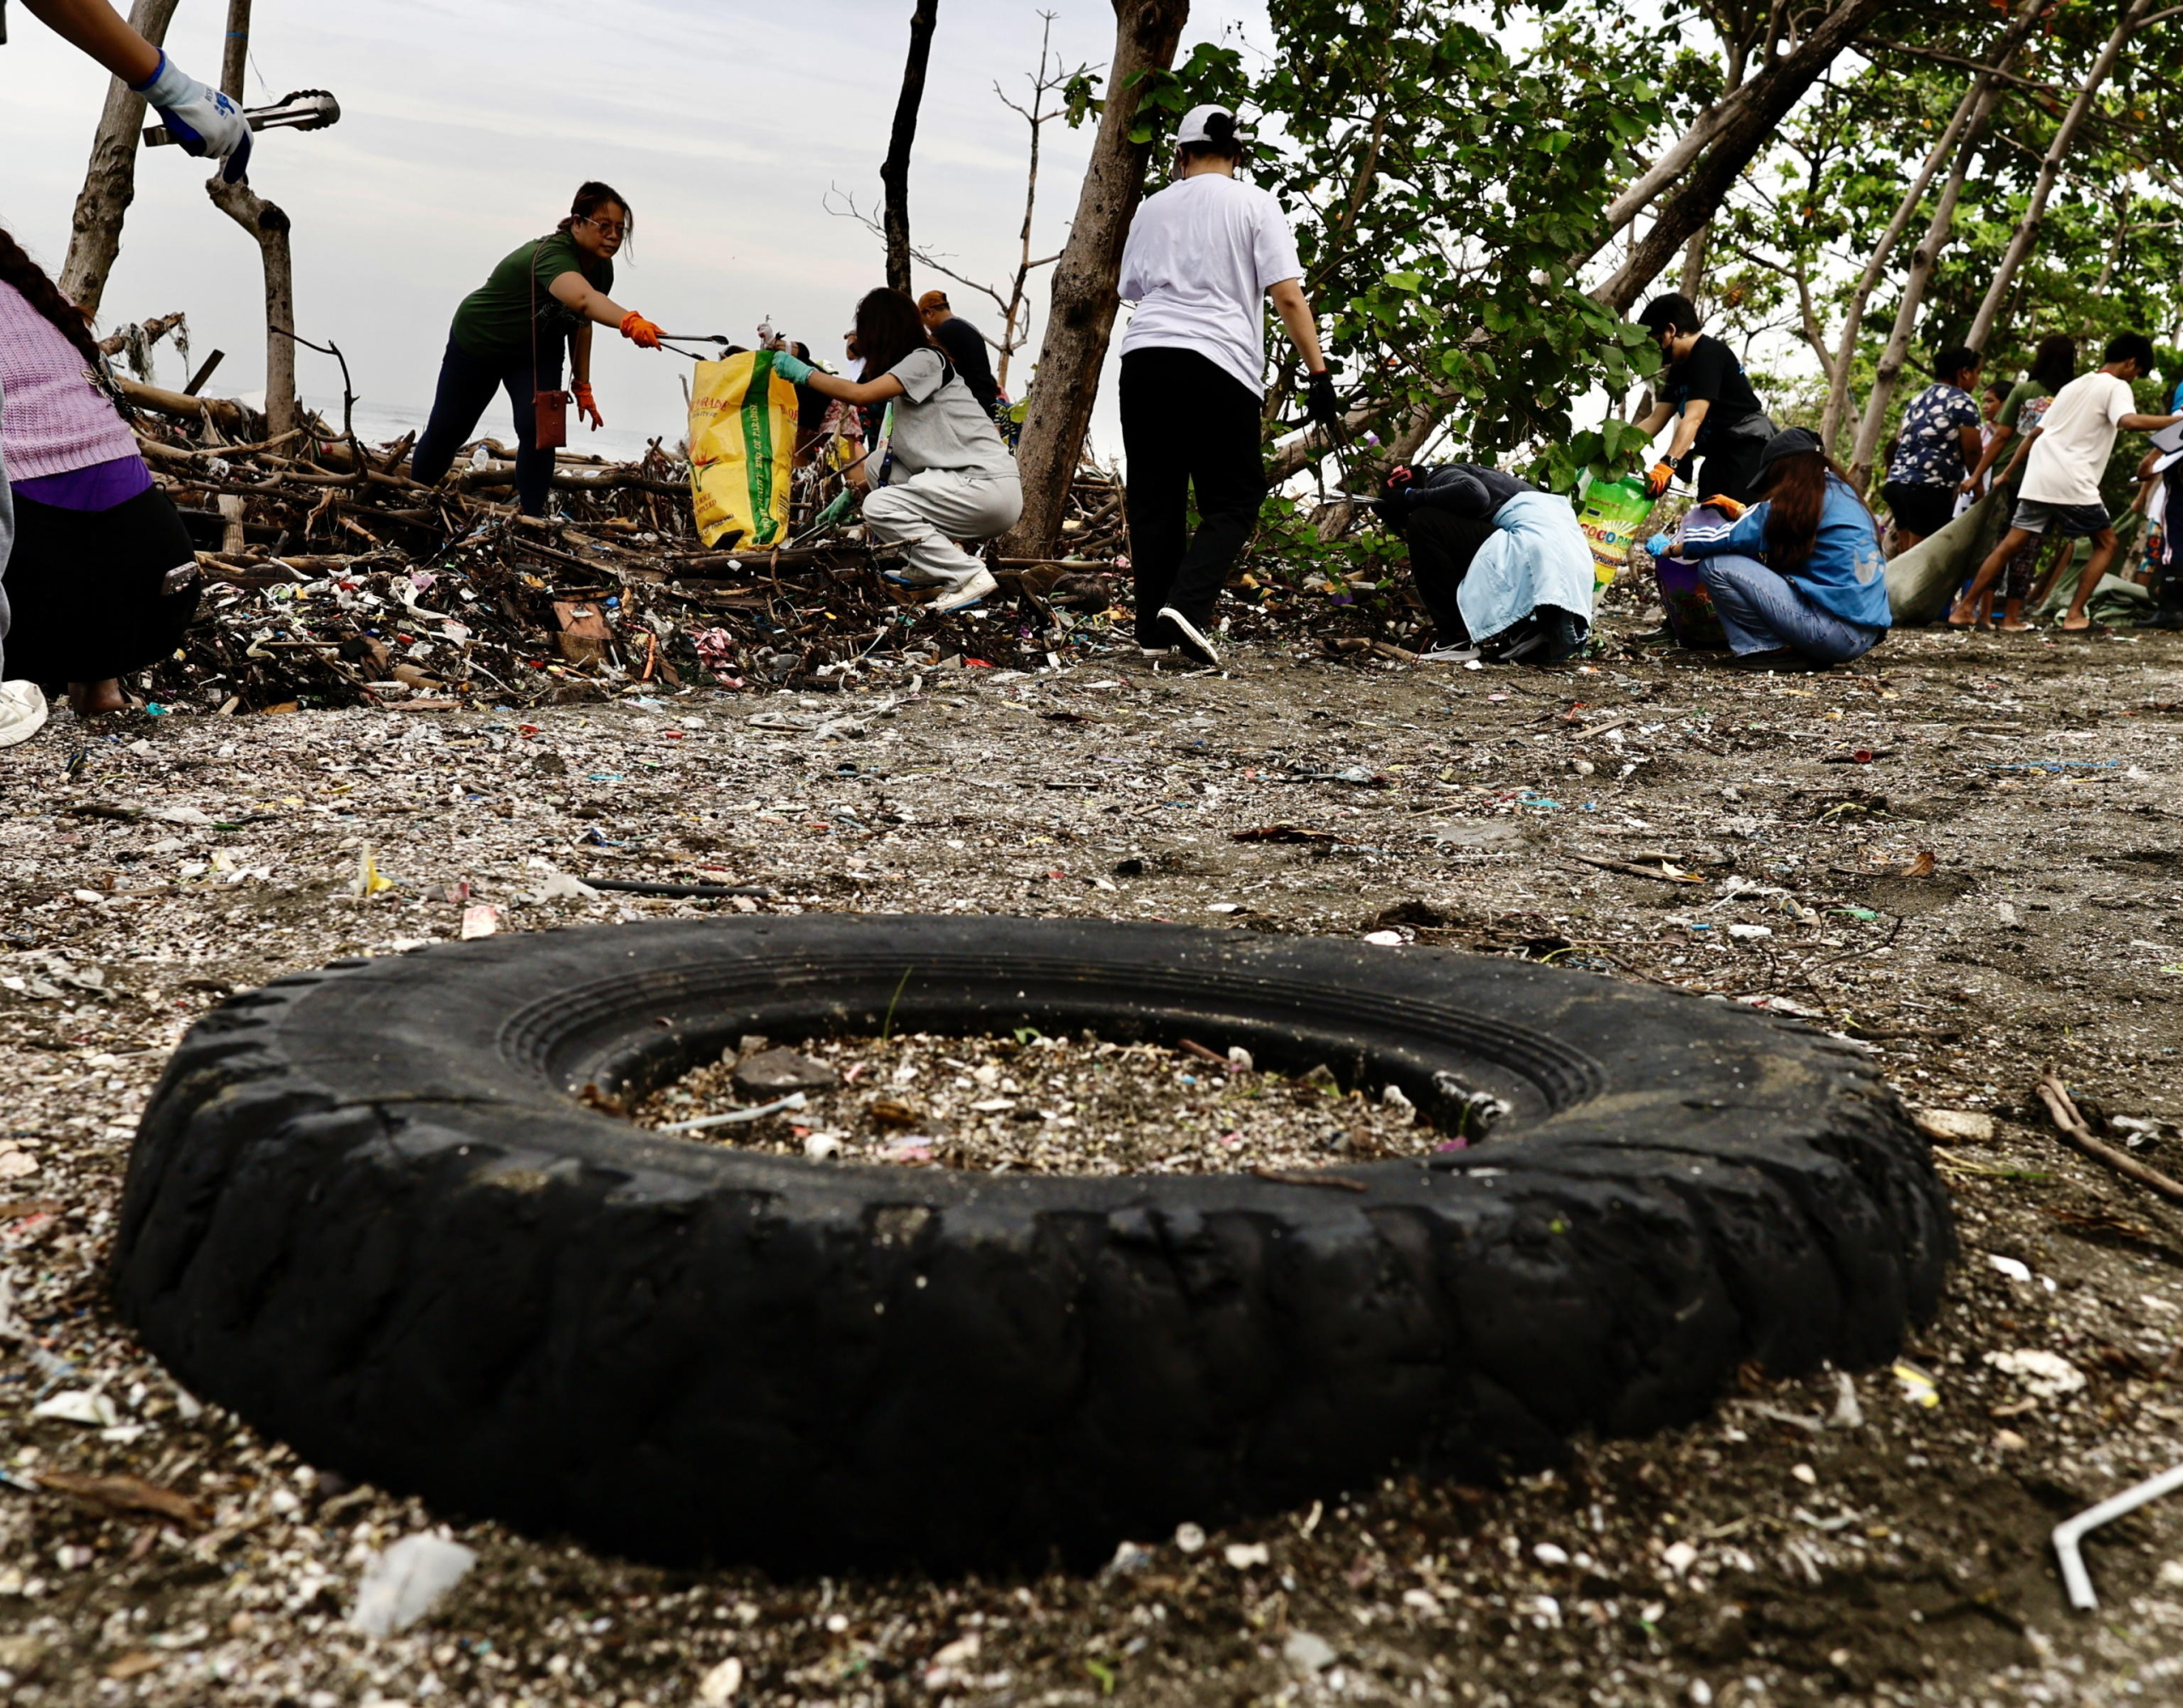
[550,431]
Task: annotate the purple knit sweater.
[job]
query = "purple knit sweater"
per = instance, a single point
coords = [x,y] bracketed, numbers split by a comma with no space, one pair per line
[52,418]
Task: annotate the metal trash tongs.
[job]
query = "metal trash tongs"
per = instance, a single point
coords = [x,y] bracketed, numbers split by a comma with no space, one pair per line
[307,109]
[667,340]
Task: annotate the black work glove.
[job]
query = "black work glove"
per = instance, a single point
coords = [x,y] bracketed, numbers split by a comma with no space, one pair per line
[1320,403]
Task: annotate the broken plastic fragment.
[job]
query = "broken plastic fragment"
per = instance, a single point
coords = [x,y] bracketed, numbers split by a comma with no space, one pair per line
[405,1582]
[1918,1387]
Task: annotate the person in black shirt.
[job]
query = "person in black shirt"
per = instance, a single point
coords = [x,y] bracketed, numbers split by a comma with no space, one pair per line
[1703,391]
[965,347]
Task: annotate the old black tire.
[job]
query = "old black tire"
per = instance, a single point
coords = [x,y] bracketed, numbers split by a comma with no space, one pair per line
[366,1212]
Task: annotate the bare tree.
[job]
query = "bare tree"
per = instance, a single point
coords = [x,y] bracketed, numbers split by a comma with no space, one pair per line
[894,170]
[270,226]
[1048,78]
[1081,316]
[110,180]
[1014,306]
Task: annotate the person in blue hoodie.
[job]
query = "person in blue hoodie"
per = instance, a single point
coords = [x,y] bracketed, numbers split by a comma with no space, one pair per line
[1798,580]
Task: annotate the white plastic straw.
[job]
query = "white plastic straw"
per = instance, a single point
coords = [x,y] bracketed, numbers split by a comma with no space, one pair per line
[793,1100]
[2071,1531]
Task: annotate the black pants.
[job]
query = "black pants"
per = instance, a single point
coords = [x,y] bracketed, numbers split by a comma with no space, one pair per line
[466,386]
[1730,469]
[1186,422]
[1441,547]
[89,588]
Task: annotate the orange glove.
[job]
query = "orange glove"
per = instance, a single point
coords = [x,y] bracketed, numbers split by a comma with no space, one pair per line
[1727,507]
[639,331]
[588,405]
[1656,482]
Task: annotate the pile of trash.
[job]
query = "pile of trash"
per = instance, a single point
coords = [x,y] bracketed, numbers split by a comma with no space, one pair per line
[333,579]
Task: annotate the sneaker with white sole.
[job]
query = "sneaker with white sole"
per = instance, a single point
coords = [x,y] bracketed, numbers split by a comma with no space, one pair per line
[22,712]
[1156,655]
[908,575]
[1448,655]
[970,590]
[1193,646]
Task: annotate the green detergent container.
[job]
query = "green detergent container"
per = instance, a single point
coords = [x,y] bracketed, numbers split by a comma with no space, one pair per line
[1612,514]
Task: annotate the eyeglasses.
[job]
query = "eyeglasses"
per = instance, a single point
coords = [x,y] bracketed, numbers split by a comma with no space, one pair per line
[606,227]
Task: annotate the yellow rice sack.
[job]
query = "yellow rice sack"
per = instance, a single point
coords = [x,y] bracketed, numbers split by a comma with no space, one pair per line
[742,439]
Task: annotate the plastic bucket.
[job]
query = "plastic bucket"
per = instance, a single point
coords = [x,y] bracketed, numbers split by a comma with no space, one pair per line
[1689,605]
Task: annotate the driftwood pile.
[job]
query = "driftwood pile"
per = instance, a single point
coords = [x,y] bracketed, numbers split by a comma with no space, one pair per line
[332,578]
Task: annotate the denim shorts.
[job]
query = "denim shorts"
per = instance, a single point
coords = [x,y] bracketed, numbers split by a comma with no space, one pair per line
[2076,521]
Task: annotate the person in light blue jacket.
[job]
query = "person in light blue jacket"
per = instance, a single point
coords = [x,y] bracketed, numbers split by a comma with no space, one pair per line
[1798,580]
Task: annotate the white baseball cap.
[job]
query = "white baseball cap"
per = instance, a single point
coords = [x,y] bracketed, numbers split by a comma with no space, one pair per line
[1194,121]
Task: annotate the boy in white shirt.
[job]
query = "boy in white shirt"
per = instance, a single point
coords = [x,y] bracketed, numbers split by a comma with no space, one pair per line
[2067,455]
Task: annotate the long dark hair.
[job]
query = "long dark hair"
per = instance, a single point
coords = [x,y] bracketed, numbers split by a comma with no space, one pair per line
[888,328]
[1796,497]
[2054,363]
[18,270]
[591,196]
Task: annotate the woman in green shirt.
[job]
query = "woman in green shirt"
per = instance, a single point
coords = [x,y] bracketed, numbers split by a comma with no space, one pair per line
[511,330]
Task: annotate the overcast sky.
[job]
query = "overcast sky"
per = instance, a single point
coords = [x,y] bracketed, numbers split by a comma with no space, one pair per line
[465,128]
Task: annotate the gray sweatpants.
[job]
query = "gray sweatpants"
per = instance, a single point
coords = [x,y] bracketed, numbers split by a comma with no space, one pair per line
[930,511]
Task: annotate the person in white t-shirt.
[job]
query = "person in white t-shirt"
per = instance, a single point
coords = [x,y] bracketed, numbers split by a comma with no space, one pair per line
[1203,255]
[2066,459]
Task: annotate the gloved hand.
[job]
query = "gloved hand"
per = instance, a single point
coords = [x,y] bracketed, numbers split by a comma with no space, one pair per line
[204,121]
[639,331]
[1727,507]
[793,368]
[1660,545]
[1320,403]
[588,405]
[1657,478]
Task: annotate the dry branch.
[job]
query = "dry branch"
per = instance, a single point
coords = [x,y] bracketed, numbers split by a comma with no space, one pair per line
[2071,1125]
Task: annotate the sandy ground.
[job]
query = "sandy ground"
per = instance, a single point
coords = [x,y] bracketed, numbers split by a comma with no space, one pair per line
[1831,1538]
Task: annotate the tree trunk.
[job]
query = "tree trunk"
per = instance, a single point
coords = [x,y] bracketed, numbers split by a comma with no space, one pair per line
[1694,251]
[110,180]
[236,61]
[1976,106]
[1748,122]
[270,226]
[1081,315]
[2049,169]
[1926,260]
[894,170]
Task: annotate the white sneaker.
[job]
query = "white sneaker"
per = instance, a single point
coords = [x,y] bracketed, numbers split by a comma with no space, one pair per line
[1448,655]
[1156,655]
[22,712]
[1194,646]
[970,590]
